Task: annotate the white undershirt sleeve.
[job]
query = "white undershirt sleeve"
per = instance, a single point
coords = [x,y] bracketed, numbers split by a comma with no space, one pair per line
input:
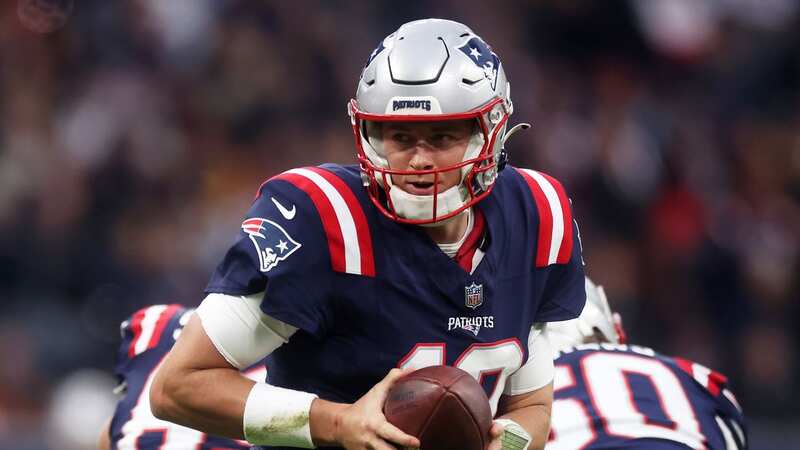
[538,370]
[240,331]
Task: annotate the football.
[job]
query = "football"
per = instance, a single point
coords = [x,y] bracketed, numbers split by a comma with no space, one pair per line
[444,407]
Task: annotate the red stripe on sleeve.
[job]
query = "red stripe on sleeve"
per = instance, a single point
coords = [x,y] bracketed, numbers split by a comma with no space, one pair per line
[545,220]
[565,251]
[161,323]
[136,329]
[333,230]
[360,220]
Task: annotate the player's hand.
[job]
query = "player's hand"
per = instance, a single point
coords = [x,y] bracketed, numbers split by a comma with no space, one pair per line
[496,433]
[362,425]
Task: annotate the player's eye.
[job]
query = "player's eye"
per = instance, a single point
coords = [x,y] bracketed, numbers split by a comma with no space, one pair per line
[401,137]
[443,140]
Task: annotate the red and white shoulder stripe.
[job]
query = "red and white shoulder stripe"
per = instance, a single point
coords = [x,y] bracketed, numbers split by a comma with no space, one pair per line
[343,219]
[147,325]
[713,381]
[554,243]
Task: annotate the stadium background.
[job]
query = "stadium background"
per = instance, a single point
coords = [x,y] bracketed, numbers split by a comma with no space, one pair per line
[133,137]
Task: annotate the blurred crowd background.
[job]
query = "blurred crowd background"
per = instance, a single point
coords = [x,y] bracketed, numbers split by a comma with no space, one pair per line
[134,134]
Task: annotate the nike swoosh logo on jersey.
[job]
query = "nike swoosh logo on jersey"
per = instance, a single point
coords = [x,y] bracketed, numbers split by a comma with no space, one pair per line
[287,214]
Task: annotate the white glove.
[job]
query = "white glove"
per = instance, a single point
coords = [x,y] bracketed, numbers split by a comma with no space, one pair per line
[514,436]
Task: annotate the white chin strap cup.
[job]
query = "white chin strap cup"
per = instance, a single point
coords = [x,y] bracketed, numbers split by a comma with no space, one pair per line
[420,207]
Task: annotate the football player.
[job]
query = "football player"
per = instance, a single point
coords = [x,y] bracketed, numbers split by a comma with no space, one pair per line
[433,250]
[609,394]
[147,336]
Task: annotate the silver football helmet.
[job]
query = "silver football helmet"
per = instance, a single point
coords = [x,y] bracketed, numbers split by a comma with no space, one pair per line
[596,318]
[432,70]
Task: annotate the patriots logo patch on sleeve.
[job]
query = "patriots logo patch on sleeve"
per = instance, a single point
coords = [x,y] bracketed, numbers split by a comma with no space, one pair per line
[273,243]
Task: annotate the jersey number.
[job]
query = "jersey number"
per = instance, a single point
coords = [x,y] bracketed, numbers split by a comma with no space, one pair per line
[606,376]
[490,363]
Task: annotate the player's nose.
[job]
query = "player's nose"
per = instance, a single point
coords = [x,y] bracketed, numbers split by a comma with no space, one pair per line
[421,158]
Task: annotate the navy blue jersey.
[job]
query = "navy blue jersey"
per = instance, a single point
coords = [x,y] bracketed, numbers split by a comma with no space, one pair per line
[147,336]
[617,396]
[368,294]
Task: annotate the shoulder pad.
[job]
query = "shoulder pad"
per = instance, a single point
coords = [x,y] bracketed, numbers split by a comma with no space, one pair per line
[713,381]
[554,243]
[332,199]
[147,327]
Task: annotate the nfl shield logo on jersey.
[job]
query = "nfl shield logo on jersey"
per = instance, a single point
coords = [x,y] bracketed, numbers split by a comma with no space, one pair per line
[473,295]
[273,243]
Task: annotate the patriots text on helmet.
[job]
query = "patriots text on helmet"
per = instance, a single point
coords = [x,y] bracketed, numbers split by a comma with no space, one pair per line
[409,104]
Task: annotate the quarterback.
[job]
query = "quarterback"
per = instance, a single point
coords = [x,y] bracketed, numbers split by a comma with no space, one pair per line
[433,250]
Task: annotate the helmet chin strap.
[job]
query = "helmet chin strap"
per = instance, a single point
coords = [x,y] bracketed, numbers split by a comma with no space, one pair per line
[474,147]
[420,207]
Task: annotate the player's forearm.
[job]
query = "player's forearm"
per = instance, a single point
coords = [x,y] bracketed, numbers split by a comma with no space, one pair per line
[193,398]
[531,411]
[195,386]
[324,422]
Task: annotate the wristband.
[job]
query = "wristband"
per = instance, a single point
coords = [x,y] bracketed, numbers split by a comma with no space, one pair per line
[514,436]
[278,417]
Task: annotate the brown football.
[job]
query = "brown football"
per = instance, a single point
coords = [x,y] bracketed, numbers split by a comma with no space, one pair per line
[443,406]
